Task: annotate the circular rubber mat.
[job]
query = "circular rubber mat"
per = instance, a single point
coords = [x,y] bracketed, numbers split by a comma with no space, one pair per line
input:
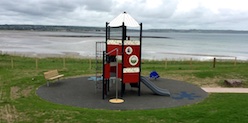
[81,92]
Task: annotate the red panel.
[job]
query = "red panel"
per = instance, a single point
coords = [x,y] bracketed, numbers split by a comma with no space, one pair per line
[136,51]
[119,70]
[112,47]
[130,77]
[113,69]
[106,71]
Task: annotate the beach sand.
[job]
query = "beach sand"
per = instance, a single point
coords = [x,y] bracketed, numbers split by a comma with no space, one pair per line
[45,55]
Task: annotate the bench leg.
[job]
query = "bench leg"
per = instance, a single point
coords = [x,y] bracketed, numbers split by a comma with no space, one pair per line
[47,83]
[59,79]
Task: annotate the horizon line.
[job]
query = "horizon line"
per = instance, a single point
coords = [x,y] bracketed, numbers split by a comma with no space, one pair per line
[189,29]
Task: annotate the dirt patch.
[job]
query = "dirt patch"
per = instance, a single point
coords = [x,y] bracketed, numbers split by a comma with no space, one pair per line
[17,92]
[25,92]
[14,92]
[8,113]
[1,95]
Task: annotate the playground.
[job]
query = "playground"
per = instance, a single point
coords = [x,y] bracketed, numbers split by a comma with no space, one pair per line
[118,77]
[80,92]
[24,105]
[25,97]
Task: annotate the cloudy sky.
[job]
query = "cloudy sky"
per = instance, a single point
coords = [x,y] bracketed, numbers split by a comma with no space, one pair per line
[168,14]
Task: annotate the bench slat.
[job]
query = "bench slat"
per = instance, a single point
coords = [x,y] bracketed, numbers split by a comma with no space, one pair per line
[56,77]
[51,75]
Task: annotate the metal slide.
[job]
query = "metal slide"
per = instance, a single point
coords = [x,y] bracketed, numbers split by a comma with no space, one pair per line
[154,88]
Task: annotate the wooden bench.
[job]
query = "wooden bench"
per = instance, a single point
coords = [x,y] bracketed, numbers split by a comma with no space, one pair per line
[52,75]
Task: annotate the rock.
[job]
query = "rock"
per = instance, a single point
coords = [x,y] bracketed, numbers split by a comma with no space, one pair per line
[233,82]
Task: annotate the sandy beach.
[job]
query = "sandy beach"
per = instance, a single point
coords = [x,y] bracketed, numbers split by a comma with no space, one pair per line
[47,55]
[171,46]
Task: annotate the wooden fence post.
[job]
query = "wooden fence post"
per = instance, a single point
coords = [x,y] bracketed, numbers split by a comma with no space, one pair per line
[63,62]
[214,62]
[36,63]
[90,63]
[235,61]
[12,63]
[190,63]
[165,63]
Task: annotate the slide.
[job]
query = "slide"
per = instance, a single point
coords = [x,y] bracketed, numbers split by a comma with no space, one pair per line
[154,88]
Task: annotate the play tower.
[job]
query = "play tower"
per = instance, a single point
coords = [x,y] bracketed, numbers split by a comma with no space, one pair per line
[122,58]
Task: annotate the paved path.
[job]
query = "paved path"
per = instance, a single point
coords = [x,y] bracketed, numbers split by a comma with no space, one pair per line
[226,90]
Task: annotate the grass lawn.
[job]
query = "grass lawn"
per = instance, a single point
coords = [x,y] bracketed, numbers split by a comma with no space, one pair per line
[20,76]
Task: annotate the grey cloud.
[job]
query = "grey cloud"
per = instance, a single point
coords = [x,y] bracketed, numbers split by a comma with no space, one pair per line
[138,8]
[98,5]
[49,11]
[38,8]
[97,12]
[202,18]
[151,17]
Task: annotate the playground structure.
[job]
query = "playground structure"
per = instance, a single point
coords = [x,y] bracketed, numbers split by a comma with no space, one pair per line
[121,57]
[118,60]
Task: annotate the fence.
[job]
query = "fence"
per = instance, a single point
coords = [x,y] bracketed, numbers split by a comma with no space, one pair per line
[190,61]
[16,62]
[89,64]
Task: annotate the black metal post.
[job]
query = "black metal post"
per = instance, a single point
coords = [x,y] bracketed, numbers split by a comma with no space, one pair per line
[108,84]
[140,57]
[214,62]
[103,74]
[123,87]
[123,51]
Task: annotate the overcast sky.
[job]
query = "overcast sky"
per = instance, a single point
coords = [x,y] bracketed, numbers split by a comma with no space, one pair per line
[168,14]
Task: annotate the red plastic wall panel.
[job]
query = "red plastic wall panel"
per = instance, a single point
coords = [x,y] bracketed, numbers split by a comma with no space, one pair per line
[130,78]
[113,69]
[119,70]
[106,71]
[136,51]
[112,47]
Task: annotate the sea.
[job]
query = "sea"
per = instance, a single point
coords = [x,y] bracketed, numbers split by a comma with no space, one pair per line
[155,45]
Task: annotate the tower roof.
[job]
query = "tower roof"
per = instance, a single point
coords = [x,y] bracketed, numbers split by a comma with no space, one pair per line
[126,18]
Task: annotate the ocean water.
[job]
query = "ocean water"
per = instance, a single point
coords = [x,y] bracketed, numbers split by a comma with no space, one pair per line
[197,45]
[201,46]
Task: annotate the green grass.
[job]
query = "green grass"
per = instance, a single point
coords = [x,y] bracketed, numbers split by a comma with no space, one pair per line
[19,103]
[200,73]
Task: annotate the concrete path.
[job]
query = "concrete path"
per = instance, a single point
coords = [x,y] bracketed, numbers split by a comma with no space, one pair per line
[225,90]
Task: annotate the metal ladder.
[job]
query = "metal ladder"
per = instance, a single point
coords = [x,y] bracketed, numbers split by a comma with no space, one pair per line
[100,47]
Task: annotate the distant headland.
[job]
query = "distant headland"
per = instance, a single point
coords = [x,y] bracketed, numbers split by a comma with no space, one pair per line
[102,29]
